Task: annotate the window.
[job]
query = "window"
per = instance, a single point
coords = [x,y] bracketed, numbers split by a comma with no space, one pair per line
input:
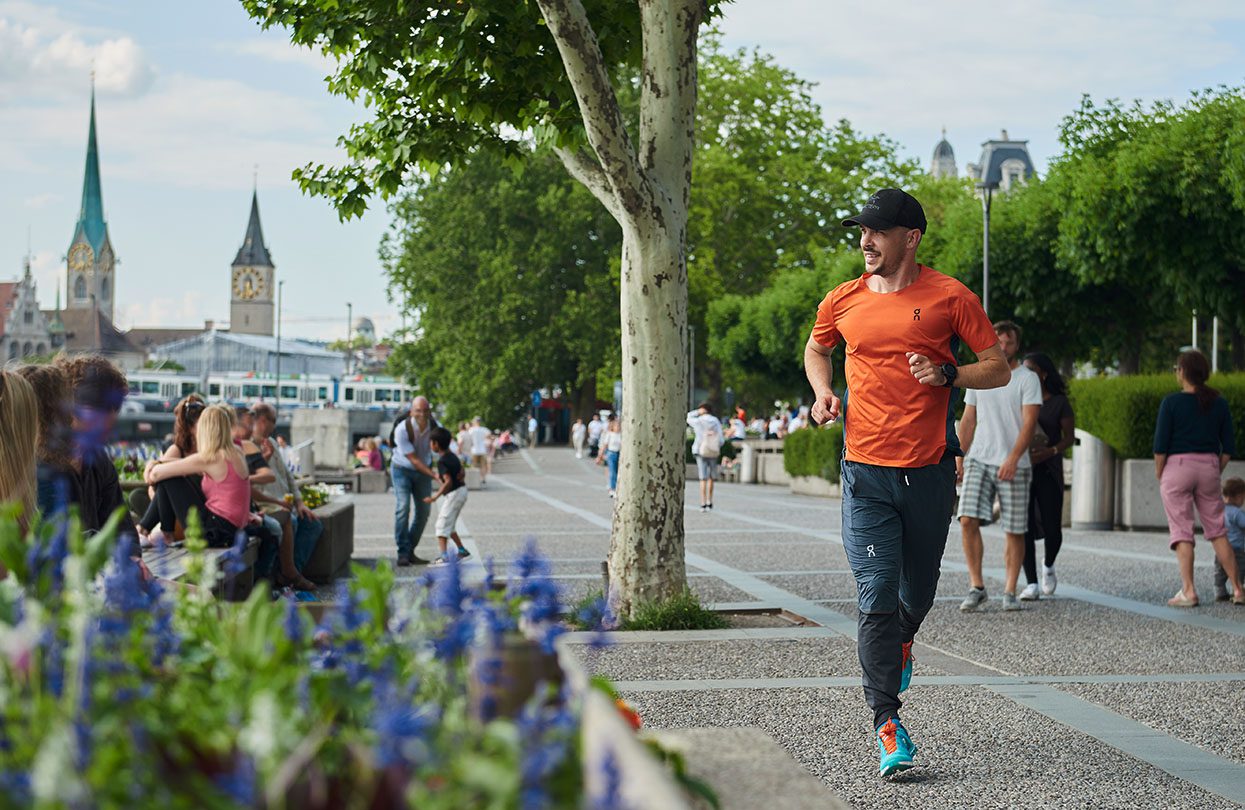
[232,392]
[350,393]
[29,316]
[322,393]
[213,389]
[41,349]
[289,392]
[188,389]
[135,388]
[103,289]
[27,349]
[12,351]
[382,394]
[79,288]
[268,391]
[151,387]
[249,391]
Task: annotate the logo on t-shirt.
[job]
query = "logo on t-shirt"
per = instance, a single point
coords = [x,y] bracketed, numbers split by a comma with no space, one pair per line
[916,314]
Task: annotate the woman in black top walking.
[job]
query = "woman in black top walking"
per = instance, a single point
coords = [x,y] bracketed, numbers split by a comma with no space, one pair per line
[1056,424]
[1192,444]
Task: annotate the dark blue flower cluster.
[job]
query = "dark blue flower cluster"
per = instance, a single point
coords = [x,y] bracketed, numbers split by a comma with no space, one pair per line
[548,734]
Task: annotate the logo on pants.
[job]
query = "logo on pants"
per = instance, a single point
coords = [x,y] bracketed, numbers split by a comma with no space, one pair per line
[871,551]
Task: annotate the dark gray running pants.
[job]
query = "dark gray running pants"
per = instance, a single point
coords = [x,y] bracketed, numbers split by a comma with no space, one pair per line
[895,523]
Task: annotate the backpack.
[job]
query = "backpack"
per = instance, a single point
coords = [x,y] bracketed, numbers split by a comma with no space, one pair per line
[711,443]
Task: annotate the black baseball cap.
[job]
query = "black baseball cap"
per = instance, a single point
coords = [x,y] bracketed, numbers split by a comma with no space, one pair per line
[888,208]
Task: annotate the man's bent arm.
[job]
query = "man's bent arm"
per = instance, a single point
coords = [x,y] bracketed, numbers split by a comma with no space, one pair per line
[990,371]
[818,368]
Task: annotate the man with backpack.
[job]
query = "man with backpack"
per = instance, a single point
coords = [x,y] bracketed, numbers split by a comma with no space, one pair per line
[707,448]
[412,477]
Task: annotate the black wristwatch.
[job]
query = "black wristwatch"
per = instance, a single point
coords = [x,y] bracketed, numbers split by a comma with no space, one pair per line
[949,372]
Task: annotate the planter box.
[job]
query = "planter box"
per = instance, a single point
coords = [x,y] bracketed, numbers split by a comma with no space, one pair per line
[368,481]
[331,557]
[814,485]
[1138,504]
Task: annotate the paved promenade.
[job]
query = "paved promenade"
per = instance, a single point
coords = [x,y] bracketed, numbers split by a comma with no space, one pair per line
[1099,697]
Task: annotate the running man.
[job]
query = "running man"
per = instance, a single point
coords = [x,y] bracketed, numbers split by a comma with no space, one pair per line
[901,323]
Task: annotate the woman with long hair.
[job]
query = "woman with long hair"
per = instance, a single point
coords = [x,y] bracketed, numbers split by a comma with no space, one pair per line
[185,420]
[1056,424]
[19,441]
[1192,444]
[55,450]
[224,501]
[611,447]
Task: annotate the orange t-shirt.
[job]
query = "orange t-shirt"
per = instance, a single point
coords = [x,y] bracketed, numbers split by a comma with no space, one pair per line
[890,419]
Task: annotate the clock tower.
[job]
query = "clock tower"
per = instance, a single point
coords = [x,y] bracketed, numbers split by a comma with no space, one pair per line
[252,281]
[90,261]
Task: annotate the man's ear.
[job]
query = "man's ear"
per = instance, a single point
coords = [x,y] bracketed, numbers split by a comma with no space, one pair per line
[914,238]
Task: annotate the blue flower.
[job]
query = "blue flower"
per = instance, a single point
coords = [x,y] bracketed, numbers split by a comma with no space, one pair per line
[611,796]
[547,733]
[401,727]
[239,782]
[293,623]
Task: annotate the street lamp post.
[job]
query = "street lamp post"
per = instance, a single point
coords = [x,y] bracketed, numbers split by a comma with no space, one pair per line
[349,335]
[987,192]
[280,291]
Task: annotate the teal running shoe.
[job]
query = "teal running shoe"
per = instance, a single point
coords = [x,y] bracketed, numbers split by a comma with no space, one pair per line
[894,747]
[905,675]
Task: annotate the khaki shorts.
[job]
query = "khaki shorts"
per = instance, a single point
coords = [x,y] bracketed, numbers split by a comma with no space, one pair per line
[447,515]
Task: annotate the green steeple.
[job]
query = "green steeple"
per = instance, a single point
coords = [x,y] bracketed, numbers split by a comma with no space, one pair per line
[91,217]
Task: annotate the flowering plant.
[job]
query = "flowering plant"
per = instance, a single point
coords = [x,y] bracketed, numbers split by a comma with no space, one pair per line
[119,690]
[314,495]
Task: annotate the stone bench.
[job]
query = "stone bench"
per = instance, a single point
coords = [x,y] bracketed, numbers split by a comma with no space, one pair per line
[331,557]
[367,480]
[171,563]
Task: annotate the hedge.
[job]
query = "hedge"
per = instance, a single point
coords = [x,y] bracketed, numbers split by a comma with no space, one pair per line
[1121,410]
[813,452]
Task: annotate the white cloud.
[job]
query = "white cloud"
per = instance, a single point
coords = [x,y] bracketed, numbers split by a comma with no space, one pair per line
[33,61]
[184,312]
[41,200]
[980,66]
[283,52]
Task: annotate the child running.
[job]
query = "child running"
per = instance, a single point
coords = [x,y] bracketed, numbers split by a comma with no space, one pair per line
[453,489]
[1234,520]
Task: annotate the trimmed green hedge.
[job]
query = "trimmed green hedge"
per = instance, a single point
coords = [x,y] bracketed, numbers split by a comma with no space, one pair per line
[1121,410]
[813,452]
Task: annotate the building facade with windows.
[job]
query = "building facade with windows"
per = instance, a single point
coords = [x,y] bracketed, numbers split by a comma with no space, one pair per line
[24,330]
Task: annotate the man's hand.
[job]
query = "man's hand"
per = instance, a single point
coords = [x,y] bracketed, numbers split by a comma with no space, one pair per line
[306,514]
[925,370]
[1007,470]
[959,469]
[825,409]
[265,450]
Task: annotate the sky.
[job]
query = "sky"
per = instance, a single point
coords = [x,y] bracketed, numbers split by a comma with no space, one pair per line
[195,104]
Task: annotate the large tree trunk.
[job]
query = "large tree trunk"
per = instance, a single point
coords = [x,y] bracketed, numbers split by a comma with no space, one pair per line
[586,400]
[646,187]
[646,548]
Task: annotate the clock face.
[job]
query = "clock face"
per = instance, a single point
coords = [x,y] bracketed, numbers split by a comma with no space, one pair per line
[81,256]
[247,285]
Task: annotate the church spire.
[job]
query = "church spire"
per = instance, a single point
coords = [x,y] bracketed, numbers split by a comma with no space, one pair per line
[254,252]
[91,216]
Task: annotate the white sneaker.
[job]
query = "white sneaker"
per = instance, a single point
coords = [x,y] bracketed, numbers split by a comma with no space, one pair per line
[1049,581]
[1030,593]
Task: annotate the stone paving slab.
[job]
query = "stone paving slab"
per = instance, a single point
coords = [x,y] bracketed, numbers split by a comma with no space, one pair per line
[1210,715]
[1063,636]
[772,552]
[740,658]
[959,733]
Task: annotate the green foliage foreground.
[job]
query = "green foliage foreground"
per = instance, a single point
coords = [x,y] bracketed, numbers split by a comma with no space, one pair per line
[1122,410]
[118,692]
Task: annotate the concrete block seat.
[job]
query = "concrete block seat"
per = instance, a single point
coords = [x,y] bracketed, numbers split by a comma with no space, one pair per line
[170,563]
[367,480]
[331,558]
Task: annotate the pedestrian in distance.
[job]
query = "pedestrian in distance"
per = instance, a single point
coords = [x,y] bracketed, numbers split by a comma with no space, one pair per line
[481,439]
[579,437]
[996,432]
[611,447]
[595,428]
[533,431]
[1192,444]
[1054,435]
[900,322]
[1234,520]
[707,449]
[453,490]
[412,478]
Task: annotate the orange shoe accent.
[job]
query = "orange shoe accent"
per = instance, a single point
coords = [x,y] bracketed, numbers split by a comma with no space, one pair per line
[907,653]
[887,734]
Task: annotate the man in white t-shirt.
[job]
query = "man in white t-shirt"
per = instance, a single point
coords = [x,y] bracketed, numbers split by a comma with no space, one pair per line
[995,434]
[480,437]
[595,428]
[533,431]
[707,449]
